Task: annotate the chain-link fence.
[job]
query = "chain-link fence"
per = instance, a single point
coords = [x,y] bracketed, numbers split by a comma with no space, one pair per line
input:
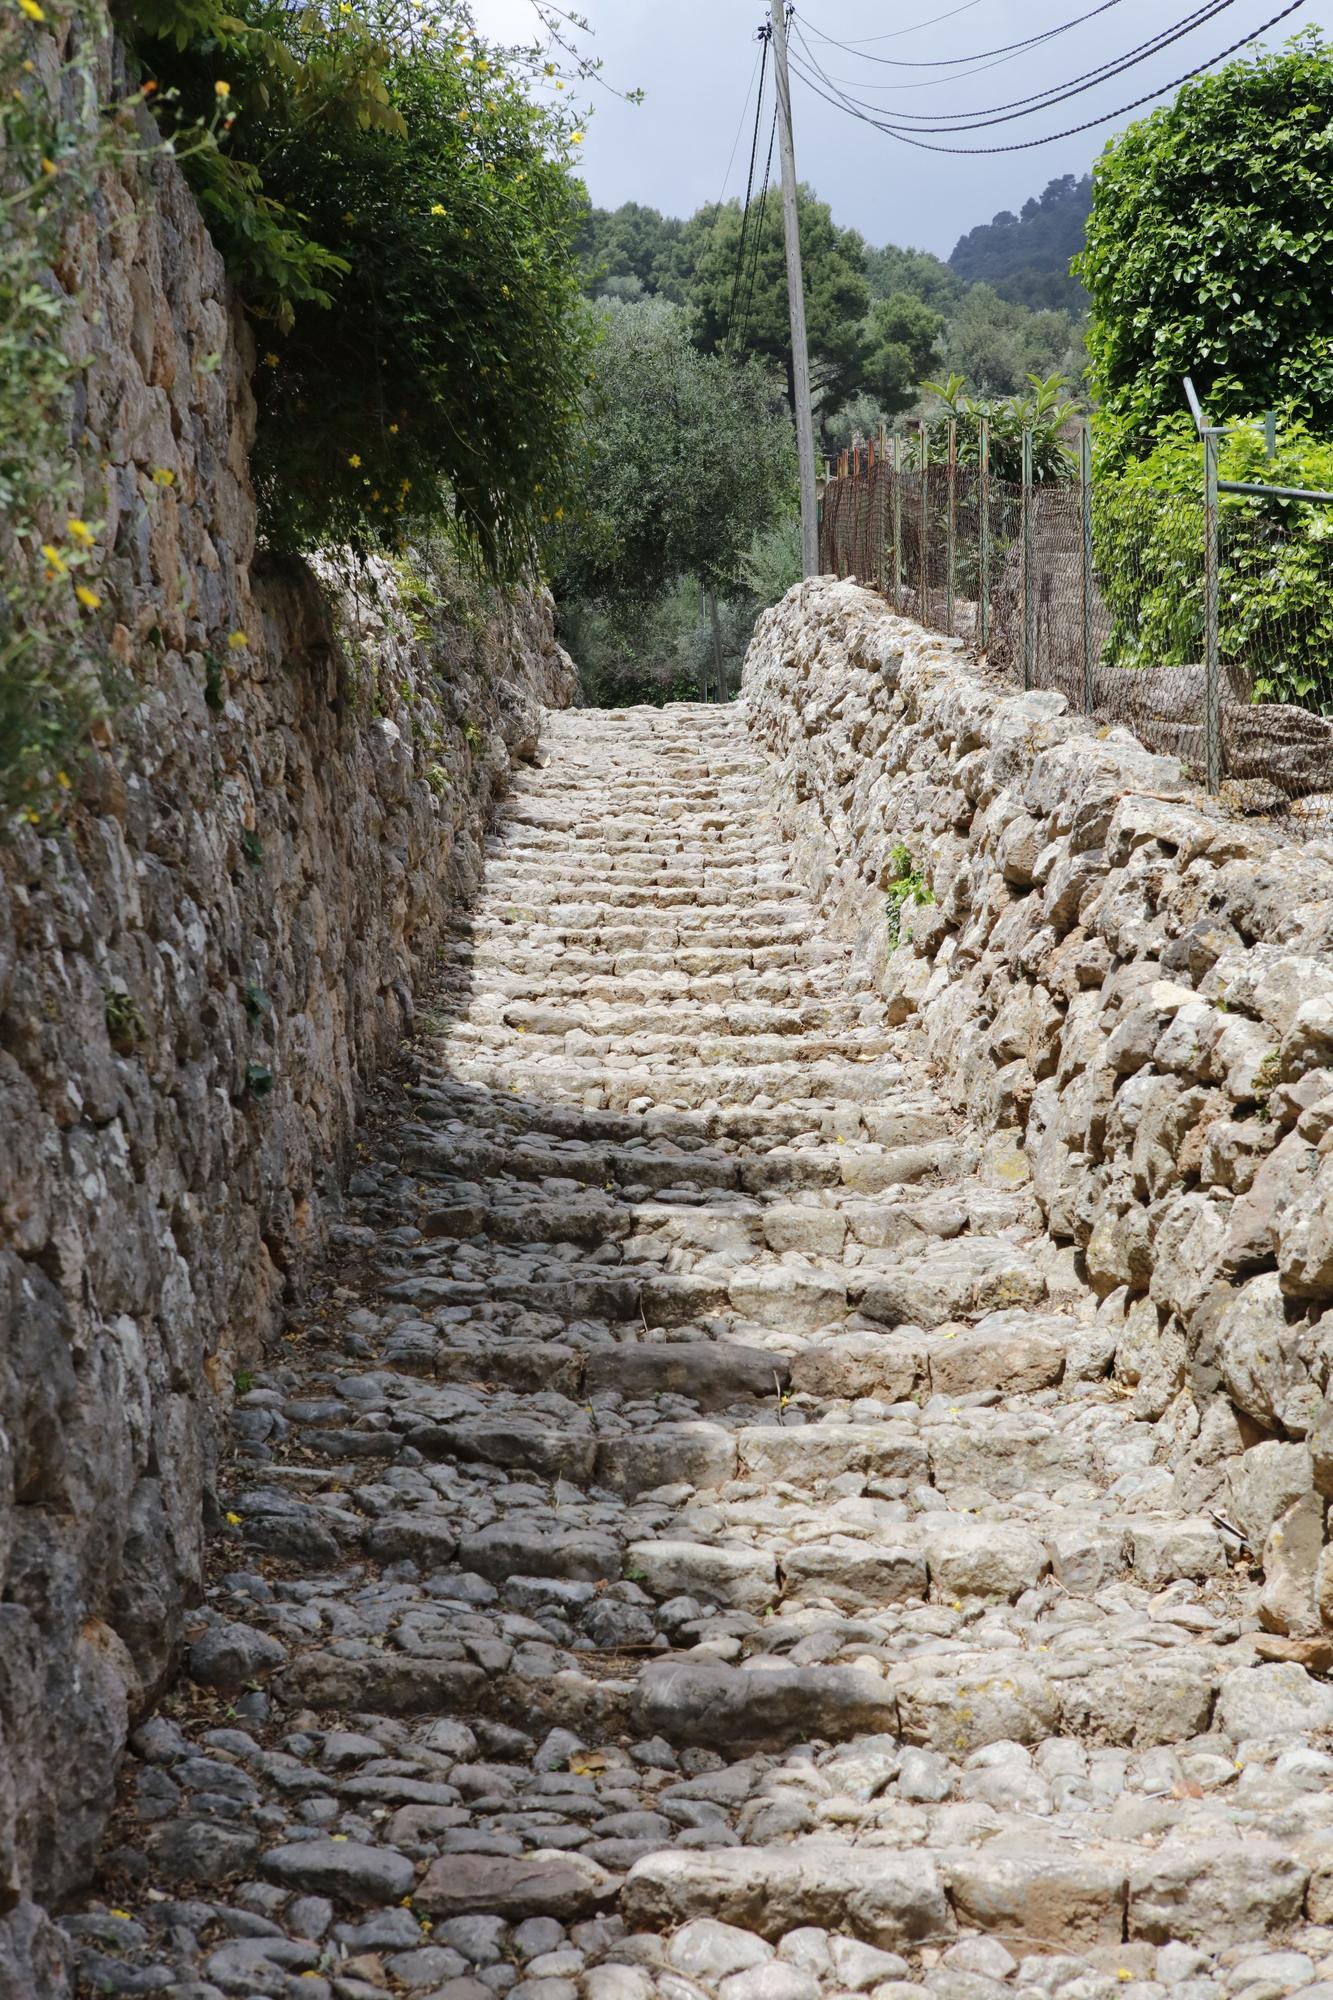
[1202,621]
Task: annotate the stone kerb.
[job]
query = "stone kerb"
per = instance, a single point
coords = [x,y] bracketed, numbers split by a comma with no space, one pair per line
[1131,996]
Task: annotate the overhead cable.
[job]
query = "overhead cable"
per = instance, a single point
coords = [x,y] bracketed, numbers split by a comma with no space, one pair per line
[1022,107]
[908,138]
[978,55]
[737,274]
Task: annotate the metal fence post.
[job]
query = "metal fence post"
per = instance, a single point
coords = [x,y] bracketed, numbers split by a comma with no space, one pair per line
[1085,492]
[1029,630]
[983,538]
[1211,674]
[897,490]
[923,526]
[881,463]
[951,530]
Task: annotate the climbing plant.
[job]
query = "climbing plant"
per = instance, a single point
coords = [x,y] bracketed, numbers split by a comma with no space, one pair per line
[398,209]
[56,139]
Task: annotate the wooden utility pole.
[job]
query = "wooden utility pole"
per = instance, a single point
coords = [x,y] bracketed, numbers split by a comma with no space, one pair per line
[800,356]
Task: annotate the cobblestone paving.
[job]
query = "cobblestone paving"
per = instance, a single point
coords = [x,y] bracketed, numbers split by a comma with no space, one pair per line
[700,1551]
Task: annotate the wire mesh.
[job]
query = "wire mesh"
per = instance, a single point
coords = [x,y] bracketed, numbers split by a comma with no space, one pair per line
[1101,591]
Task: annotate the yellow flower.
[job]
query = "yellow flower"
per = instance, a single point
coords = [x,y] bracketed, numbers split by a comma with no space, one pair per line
[87,598]
[163,476]
[81,532]
[65,782]
[559,513]
[55,561]
[576,138]
[32,10]
[238,641]
[49,166]
[233,1520]
[354,459]
[393,428]
[270,361]
[439,209]
[549,70]
[222,90]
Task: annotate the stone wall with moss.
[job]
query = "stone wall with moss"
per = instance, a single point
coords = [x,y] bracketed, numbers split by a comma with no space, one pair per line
[197,972]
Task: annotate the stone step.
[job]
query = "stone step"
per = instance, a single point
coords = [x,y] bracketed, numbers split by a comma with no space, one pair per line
[669,1047]
[701,1088]
[557,985]
[715,1374]
[726,1127]
[552,892]
[577,960]
[675,1024]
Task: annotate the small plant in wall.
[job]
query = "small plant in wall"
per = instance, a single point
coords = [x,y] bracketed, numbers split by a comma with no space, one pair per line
[124,1023]
[906,885]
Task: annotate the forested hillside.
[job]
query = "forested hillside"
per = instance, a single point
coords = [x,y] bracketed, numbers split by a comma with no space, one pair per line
[1026,257]
[883,318]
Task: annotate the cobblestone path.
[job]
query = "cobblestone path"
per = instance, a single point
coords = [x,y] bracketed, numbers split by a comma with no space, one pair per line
[699,1552]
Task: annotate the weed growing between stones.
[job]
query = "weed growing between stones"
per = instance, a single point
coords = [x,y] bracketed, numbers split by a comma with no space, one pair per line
[907,885]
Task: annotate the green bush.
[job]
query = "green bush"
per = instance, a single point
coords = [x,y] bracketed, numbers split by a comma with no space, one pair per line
[686,457]
[1275,576]
[399,216]
[1210,248]
[1045,410]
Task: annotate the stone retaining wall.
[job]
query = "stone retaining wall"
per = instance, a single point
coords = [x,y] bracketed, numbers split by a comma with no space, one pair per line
[1135,993]
[195,977]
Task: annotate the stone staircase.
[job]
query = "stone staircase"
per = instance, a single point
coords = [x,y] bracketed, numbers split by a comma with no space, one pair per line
[694,1546]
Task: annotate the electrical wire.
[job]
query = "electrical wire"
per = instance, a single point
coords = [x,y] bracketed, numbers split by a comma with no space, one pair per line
[978,55]
[1050,138]
[1022,107]
[758,233]
[914,29]
[738,273]
[740,127]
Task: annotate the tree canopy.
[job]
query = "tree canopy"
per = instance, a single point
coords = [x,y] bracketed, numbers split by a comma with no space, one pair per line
[837,297]
[997,346]
[1210,248]
[688,456]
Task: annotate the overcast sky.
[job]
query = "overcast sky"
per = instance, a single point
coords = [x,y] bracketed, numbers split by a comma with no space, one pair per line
[695,58]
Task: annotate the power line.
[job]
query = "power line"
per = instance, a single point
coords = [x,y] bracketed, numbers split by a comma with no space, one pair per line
[978,55]
[1022,107]
[915,28]
[740,127]
[759,232]
[1087,125]
[749,183]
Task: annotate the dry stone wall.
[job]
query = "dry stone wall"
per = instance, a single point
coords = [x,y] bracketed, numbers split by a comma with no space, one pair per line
[196,975]
[1131,995]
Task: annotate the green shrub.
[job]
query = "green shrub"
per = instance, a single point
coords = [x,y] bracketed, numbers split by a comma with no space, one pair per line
[1210,248]
[399,217]
[1275,576]
[1045,410]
